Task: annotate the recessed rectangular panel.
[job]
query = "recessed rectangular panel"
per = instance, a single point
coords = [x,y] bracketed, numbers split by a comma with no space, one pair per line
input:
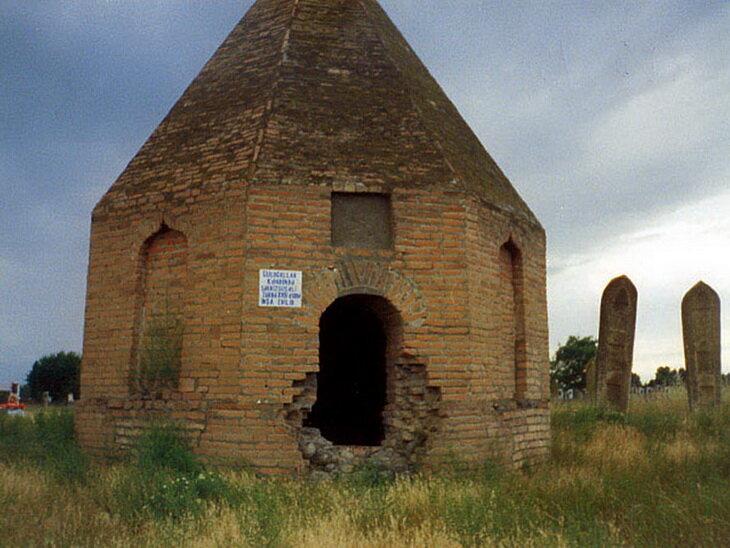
[361,220]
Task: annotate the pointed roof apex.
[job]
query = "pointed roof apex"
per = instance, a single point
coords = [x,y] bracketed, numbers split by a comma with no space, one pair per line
[316,92]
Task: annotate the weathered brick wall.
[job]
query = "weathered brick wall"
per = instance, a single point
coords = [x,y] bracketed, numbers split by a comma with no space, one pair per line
[500,404]
[242,364]
[211,318]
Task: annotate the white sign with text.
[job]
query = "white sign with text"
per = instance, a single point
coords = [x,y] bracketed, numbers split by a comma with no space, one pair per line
[280,288]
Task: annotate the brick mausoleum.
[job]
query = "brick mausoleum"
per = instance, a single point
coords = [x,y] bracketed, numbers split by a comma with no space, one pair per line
[313,262]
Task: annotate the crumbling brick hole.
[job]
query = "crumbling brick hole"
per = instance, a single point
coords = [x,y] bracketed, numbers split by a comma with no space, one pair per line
[368,404]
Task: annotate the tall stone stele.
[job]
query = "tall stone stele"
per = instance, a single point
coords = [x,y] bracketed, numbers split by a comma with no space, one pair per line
[702,343]
[313,262]
[615,354]
[591,378]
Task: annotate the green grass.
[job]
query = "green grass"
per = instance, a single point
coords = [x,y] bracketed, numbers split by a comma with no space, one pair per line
[659,476]
[46,439]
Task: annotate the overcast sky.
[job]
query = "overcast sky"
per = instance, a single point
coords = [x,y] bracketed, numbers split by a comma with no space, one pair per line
[611,118]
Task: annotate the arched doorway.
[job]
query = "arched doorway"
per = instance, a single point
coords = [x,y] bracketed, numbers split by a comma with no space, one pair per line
[356,338]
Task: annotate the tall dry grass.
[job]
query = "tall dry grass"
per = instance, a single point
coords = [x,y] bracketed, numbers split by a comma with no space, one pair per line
[658,476]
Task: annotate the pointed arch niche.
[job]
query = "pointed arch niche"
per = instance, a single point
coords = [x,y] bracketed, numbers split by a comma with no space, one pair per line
[158,330]
[511,277]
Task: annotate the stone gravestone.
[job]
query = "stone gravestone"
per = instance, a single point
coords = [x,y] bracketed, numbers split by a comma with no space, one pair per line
[590,376]
[701,332]
[554,389]
[616,344]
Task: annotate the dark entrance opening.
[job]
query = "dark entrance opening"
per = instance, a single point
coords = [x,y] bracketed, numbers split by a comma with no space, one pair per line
[351,383]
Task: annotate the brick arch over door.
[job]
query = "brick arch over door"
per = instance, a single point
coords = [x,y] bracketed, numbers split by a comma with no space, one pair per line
[349,277]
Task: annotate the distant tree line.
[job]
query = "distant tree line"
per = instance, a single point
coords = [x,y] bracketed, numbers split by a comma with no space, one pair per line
[568,367]
[58,374]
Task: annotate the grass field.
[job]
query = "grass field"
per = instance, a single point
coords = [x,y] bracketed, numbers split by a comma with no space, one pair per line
[657,477]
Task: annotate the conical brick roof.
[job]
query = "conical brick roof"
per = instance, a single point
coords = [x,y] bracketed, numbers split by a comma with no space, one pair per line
[313,92]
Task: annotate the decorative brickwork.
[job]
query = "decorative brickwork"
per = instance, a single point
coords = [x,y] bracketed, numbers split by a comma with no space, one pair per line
[306,100]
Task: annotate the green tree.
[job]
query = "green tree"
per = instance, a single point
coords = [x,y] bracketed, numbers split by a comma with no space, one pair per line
[57,374]
[665,376]
[569,365]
